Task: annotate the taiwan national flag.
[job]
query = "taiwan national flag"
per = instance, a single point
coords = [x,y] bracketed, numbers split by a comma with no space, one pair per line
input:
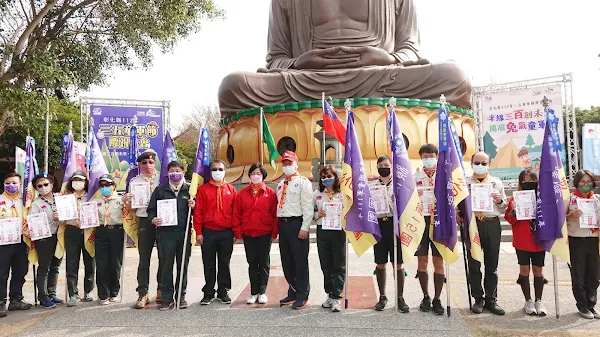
[332,124]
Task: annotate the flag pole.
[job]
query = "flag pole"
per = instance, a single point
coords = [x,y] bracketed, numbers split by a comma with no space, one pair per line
[70,130]
[260,141]
[184,254]
[555,272]
[323,130]
[347,105]
[395,222]
[462,235]
[122,275]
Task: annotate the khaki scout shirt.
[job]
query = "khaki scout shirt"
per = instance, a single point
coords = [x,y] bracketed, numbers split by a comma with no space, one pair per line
[110,210]
[40,205]
[497,187]
[323,197]
[390,196]
[8,206]
[298,200]
[143,212]
[81,199]
[573,227]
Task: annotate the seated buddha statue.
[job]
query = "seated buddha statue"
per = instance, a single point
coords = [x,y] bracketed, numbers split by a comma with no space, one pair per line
[345,48]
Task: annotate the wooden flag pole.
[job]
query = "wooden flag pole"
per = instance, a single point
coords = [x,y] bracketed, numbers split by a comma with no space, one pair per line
[260,141]
[183,259]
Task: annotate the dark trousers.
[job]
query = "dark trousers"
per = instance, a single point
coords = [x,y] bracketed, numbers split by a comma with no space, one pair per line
[13,260]
[489,233]
[332,255]
[74,246]
[294,258]
[217,249]
[146,241]
[171,251]
[109,259]
[257,255]
[584,270]
[48,265]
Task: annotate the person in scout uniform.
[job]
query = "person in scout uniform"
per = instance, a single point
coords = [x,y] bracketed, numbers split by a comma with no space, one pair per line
[48,264]
[425,178]
[75,245]
[331,243]
[490,232]
[171,237]
[213,222]
[146,231]
[13,257]
[109,241]
[583,244]
[295,211]
[384,249]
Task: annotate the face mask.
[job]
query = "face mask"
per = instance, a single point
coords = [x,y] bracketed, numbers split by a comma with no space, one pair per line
[429,163]
[11,188]
[106,191]
[78,185]
[529,185]
[217,175]
[328,181]
[256,178]
[480,169]
[45,190]
[384,171]
[585,188]
[175,176]
[289,170]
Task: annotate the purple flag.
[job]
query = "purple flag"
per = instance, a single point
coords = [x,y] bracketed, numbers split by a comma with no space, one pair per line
[361,216]
[550,206]
[201,173]
[97,165]
[169,154]
[31,170]
[67,143]
[444,229]
[71,158]
[134,169]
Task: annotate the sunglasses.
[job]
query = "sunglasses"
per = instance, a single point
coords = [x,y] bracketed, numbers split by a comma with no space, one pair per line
[217,169]
[42,185]
[147,162]
[480,163]
[105,185]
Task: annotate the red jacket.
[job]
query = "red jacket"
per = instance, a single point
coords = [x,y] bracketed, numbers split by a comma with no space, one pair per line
[256,216]
[206,213]
[522,237]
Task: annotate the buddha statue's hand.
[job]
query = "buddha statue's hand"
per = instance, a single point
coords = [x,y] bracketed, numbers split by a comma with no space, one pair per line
[367,56]
[324,58]
[418,62]
[265,70]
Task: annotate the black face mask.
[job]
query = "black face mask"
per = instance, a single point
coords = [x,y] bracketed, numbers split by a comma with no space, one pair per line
[530,185]
[384,171]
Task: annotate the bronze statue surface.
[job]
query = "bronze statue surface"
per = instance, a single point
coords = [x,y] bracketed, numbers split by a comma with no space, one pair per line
[345,48]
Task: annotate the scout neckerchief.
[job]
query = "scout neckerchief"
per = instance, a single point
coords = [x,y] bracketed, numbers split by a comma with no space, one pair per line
[151,180]
[588,195]
[479,215]
[329,194]
[107,201]
[284,190]
[430,173]
[79,196]
[219,187]
[13,208]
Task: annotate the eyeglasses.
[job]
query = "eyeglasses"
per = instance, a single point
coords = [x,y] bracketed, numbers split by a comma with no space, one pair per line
[147,162]
[214,169]
[480,163]
[42,185]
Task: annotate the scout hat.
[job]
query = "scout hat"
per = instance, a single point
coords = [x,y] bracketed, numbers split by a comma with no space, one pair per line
[108,178]
[289,155]
[148,154]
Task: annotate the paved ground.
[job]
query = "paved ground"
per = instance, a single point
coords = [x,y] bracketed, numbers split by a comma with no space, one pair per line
[89,319]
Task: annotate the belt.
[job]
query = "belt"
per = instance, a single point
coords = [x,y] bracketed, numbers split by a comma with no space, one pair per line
[385,218]
[291,218]
[490,219]
[112,226]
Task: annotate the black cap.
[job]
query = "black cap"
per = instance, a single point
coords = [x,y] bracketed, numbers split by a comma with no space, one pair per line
[148,154]
[41,176]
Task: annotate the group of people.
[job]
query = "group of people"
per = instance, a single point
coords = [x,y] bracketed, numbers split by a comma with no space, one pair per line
[258,215]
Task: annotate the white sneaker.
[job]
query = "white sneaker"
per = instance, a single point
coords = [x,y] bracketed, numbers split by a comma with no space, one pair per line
[263,299]
[328,302]
[72,302]
[595,313]
[335,306]
[586,314]
[252,299]
[529,308]
[539,308]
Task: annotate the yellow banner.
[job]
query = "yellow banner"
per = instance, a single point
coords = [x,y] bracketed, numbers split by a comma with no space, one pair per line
[412,226]
[59,252]
[560,248]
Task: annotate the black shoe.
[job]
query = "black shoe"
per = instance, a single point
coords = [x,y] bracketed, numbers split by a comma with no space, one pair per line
[402,306]
[438,308]
[183,304]
[478,306]
[207,299]
[164,306]
[494,308]
[224,298]
[425,304]
[18,305]
[3,309]
[381,304]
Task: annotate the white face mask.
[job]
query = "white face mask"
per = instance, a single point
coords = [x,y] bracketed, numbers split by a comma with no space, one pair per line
[429,163]
[289,170]
[78,185]
[45,190]
[480,169]
[256,179]
[217,175]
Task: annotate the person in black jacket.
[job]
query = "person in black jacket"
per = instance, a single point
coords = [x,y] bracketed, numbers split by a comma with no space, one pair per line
[171,237]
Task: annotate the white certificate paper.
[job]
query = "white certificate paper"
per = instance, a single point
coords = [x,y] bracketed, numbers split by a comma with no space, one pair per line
[38,226]
[10,231]
[589,218]
[66,207]
[167,211]
[379,197]
[525,204]
[427,200]
[333,216]
[89,215]
[481,198]
[141,194]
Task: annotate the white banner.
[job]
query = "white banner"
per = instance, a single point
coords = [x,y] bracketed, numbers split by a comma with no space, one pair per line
[513,128]
[591,147]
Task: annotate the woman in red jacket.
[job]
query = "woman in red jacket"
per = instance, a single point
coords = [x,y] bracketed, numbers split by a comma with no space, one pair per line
[255,220]
[528,253]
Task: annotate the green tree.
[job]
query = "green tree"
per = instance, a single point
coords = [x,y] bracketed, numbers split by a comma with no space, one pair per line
[530,142]
[489,146]
[75,43]
[186,153]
